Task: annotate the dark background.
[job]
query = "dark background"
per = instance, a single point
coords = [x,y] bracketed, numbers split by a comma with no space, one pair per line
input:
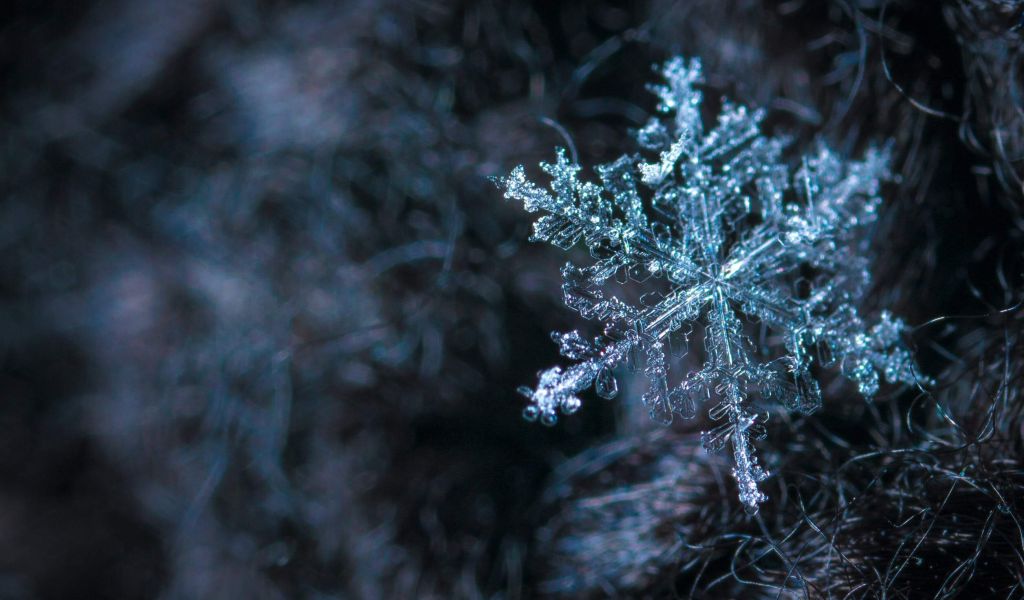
[263,314]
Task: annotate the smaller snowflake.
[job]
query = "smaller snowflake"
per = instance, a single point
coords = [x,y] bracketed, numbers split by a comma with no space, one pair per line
[720,222]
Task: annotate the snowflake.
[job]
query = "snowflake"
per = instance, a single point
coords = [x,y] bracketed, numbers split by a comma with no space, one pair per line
[739,247]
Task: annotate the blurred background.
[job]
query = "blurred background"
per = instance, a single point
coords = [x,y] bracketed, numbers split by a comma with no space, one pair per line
[263,314]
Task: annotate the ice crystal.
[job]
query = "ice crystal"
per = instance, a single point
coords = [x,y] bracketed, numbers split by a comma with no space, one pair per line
[739,245]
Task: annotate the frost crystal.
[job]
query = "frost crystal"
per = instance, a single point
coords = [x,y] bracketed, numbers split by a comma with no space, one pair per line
[727,240]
